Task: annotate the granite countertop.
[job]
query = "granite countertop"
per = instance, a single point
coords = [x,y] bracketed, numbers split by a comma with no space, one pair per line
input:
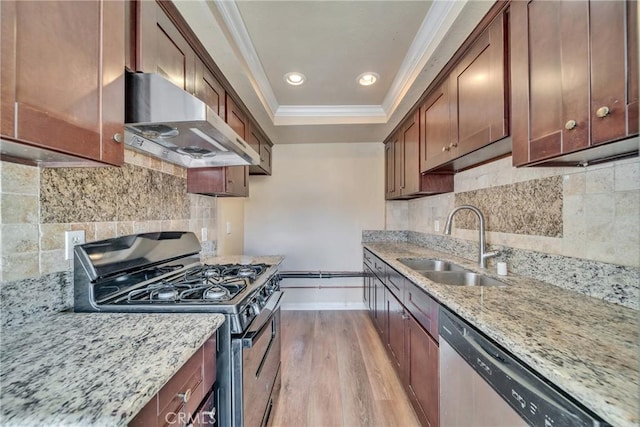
[585,346]
[273,260]
[82,369]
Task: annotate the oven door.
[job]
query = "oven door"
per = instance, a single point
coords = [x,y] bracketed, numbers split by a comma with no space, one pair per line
[260,363]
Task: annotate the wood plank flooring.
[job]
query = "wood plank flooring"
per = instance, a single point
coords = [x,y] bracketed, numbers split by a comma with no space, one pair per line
[335,372]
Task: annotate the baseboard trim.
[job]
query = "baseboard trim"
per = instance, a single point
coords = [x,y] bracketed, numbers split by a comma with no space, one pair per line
[323,306]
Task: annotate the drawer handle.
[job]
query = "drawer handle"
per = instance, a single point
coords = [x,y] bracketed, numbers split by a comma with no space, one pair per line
[185,396]
[118,137]
[571,124]
[602,112]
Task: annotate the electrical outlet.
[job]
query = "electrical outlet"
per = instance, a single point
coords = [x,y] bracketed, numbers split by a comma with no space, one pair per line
[205,233]
[228,227]
[72,238]
[436,225]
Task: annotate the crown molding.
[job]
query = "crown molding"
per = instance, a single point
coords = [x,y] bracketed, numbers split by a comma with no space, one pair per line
[287,115]
[433,29]
[233,20]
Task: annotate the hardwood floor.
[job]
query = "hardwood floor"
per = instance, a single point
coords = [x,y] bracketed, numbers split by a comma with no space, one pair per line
[335,373]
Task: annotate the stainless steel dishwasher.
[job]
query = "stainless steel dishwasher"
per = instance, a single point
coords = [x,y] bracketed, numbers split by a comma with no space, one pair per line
[482,385]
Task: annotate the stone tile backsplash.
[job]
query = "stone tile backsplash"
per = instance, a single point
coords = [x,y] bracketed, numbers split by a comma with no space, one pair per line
[590,213]
[40,204]
[531,207]
[129,193]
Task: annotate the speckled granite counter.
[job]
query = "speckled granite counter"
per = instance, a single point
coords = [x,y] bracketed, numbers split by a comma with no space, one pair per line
[93,369]
[273,260]
[587,347]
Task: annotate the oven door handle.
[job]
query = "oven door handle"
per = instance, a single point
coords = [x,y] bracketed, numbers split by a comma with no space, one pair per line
[259,326]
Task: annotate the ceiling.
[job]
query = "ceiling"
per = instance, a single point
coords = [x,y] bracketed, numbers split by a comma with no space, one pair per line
[255,42]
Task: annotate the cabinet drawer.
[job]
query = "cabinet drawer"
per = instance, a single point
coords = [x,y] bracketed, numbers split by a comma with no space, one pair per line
[182,394]
[396,283]
[423,308]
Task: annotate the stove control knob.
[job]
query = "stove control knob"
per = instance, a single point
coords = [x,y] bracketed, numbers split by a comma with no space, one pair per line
[255,306]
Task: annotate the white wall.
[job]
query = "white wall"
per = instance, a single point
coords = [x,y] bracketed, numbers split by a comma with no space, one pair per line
[312,210]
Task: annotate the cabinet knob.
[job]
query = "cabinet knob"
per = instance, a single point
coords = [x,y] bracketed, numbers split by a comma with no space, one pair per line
[445,149]
[571,124]
[185,396]
[118,138]
[453,145]
[602,112]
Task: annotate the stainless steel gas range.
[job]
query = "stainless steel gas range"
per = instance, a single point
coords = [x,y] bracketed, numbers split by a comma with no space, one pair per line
[162,272]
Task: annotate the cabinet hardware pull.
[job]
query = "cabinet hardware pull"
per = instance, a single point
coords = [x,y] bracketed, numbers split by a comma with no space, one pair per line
[603,112]
[445,149]
[118,137]
[571,124]
[185,396]
[453,145]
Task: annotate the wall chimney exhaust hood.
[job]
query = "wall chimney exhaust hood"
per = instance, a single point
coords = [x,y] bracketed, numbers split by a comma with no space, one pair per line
[166,122]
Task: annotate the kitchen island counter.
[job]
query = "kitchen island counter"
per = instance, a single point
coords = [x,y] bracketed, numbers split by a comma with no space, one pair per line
[94,369]
[586,347]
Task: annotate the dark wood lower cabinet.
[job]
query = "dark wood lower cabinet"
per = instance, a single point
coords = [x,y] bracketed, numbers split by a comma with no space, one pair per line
[379,308]
[408,328]
[396,332]
[421,379]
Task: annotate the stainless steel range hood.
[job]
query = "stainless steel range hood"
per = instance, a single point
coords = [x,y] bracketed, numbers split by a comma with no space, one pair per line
[167,122]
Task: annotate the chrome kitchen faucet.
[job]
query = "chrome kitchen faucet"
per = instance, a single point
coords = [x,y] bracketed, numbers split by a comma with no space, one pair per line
[483,255]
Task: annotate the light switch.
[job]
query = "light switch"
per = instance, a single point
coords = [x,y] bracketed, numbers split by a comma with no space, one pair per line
[72,238]
[228,227]
[205,233]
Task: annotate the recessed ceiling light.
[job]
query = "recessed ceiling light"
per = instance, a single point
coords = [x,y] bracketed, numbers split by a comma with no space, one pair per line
[294,79]
[368,78]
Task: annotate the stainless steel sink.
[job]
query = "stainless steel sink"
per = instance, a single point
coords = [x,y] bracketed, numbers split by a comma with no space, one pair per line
[426,264]
[461,278]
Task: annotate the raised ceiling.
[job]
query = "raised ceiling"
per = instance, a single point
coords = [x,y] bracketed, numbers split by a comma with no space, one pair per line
[255,42]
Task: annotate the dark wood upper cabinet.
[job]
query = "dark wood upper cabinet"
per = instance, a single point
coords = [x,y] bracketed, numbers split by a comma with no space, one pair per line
[390,168]
[402,157]
[209,90]
[574,79]
[438,138]
[62,80]
[225,181]
[161,48]
[480,91]
[466,113]
[261,145]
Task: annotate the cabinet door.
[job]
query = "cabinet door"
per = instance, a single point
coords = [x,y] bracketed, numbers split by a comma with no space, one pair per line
[62,82]
[236,118]
[480,91]
[219,181]
[265,157]
[550,80]
[613,106]
[379,314]
[398,159]
[422,373]
[162,49]
[208,89]
[437,131]
[411,155]
[396,332]
[390,168]
[237,180]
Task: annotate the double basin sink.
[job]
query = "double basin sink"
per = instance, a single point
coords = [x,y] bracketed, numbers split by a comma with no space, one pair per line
[447,273]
